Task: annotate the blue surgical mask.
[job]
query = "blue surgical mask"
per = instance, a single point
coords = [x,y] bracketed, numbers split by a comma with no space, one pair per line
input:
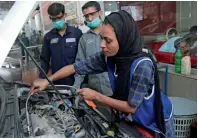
[94,24]
[59,24]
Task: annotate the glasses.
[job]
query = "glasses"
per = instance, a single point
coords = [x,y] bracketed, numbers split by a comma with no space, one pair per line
[56,18]
[86,16]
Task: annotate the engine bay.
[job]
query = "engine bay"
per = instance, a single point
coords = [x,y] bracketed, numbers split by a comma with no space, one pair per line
[44,115]
[48,116]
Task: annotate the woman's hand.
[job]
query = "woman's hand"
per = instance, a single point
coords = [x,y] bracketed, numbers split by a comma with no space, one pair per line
[39,85]
[123,106]
[88,94]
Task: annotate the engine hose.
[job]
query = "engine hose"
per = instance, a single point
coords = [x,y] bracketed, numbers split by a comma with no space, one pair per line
[99,124]
[92,123]
[54,87]
[105,136]
[27,115]
[78,108]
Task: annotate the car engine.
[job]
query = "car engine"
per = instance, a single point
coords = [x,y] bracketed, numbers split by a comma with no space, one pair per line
[48,116]
[44,115]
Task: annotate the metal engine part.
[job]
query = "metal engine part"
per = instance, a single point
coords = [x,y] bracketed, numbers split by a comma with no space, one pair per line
[48,117]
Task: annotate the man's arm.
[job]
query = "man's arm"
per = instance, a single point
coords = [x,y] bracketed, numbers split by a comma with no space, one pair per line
[41,84]
[80,56]
[92,65]
[62,73]
[45,57]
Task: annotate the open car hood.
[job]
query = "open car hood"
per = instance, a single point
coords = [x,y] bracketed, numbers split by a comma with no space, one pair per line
[12,25]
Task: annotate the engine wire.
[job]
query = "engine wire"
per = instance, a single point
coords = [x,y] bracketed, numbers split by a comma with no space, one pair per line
[54,87]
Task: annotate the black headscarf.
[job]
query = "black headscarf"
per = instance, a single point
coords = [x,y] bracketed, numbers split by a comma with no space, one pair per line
[130,48]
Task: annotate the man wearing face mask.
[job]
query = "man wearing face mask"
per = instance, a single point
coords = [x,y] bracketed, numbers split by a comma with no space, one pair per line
[89,44]
[60,44]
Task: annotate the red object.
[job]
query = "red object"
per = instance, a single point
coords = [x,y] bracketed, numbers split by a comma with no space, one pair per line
[158,15]
[193,61]
[166,57]
[91,103]
[145,132]
[157,45]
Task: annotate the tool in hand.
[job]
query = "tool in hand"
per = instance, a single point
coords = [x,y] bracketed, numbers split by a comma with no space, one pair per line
[93,105]
[53,86]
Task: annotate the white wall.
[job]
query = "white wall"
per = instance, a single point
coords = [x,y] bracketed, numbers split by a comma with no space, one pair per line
[27,29]
[32,23]
[38,21]
[186,15]
[80,17]
[102,9]
[71,10]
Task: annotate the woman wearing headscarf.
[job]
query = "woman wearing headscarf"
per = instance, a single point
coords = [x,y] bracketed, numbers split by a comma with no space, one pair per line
[133,75]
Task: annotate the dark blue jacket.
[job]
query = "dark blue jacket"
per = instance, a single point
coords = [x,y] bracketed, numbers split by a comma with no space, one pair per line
[61,51]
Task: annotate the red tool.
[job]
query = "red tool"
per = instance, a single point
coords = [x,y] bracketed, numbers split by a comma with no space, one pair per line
[93,105]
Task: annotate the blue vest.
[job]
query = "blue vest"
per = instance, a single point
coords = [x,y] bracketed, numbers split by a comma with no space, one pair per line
[145,113]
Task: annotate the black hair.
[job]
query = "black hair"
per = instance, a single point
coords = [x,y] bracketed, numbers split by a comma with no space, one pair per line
[23,33]
[55,9]
[187,38]
[193,29]
[91,4]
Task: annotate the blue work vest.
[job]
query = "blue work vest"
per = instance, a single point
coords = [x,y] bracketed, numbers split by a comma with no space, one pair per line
[145,113]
